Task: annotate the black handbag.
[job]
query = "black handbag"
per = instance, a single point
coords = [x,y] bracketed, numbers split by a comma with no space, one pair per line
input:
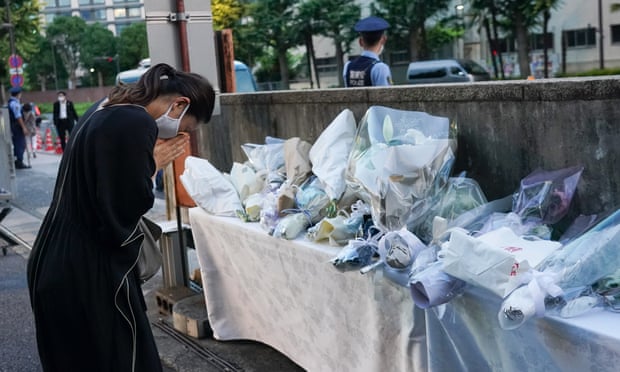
[150,259]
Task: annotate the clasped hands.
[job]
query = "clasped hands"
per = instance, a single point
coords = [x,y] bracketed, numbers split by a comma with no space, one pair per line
[166,150]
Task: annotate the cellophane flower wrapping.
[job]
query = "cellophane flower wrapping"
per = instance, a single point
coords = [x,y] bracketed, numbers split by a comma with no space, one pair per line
[398,251]
[589,257]
[298,169]
[246,180]
[570,273]
[461,194]
[399,160]
[545,196]
[312,199]
[268,157]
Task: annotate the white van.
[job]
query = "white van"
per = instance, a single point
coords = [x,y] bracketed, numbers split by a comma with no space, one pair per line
[132,76]
[446,71]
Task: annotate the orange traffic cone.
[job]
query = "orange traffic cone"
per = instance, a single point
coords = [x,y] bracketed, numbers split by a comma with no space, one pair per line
[39,141]
[58,145]
[49,146]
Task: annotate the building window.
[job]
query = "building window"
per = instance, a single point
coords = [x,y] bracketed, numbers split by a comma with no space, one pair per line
[326,64]
[127,13]
[58,3]
[93,14]
[537,41]
[92,2]
[125,1]
[583,37]
[615,34]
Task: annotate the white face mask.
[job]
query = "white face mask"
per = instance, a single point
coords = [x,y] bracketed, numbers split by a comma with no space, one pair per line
[169,127]
[61,99]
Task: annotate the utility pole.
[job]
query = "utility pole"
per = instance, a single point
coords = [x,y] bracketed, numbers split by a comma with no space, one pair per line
[601,54]
[9,25]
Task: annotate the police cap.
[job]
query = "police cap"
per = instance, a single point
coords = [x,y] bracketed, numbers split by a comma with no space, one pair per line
[371,24]
[15,90]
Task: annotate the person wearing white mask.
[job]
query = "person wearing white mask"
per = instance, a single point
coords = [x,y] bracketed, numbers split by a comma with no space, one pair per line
[367,69]
[65,117]
[83,276]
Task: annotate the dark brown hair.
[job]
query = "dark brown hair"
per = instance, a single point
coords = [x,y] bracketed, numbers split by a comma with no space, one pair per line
[371,38]
[164,80]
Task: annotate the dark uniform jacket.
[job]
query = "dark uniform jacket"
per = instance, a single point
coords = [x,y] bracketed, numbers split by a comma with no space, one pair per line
[358,72]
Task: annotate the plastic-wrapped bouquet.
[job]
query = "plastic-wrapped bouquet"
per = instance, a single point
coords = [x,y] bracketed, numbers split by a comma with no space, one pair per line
[330,153]
[398,161]
[311,204]
[566,275]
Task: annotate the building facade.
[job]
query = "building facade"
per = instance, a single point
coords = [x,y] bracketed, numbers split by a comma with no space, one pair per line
[114,14]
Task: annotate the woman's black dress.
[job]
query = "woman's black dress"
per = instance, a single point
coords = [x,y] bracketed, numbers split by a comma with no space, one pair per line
[88,306]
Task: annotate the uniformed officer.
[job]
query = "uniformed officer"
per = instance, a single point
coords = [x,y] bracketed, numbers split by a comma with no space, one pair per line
[367,69]
[18,127]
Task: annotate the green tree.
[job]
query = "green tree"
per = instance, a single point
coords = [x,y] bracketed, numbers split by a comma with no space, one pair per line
[275,23]
[407,20]
[25,26]
[66,35]
[45,67]
[226,13]
[333,19]
[133,45]
[98,52]
[517,18]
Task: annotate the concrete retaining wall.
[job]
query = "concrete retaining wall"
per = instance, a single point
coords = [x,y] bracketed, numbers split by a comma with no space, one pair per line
[505,129]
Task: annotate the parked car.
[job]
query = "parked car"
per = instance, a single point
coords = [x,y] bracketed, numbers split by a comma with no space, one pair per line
[446,71]
[133,75]
[244,80]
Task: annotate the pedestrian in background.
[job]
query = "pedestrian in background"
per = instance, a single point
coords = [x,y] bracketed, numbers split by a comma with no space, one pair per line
[84,284]
[30,120]
[367,69]
[65,117]
[18,127]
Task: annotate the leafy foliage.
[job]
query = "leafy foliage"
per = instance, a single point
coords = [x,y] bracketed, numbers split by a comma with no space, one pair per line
[98,51]
[133,45]
[407,20]
[226,13]
[25,22]
[275,23]
[333,19]
[66,35]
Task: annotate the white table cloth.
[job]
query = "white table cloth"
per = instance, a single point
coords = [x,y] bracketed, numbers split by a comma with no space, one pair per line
[467,337]
[288,295]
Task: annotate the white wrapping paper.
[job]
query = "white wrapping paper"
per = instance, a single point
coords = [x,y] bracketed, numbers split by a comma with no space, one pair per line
[495,260]
[330,153]
[209,189]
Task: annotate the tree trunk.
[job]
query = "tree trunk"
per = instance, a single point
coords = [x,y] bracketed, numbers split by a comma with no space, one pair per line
[283,69]
[495,37]
[413,44]
[546,16]
[523,48]
[424,52]
[339,63]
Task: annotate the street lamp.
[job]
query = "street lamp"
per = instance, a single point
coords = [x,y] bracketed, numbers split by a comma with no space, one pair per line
[92,70]
[459,9]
